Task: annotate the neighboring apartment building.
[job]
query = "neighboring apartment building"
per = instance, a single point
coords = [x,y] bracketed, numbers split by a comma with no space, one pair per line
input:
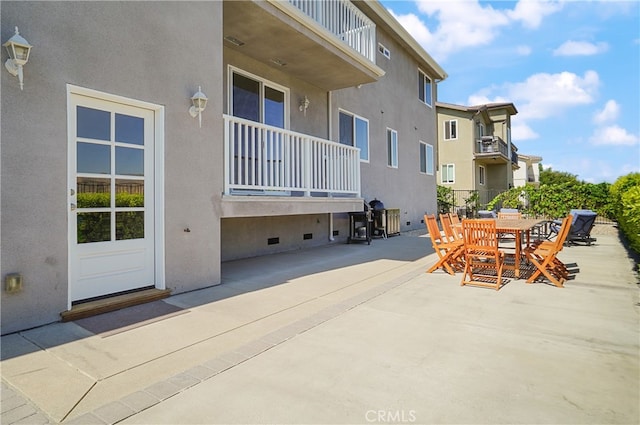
[109,185]
[475,152]
[529,171]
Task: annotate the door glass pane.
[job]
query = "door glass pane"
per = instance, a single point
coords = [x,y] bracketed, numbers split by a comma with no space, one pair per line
[93,123]
[273,107]
[94,227]
[129,161]
[93,193]
[129,193]
[129,129]
[129,225]
[93,158]
[246,98]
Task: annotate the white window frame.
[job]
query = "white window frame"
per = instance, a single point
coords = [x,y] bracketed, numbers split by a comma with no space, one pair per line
[263,83]
[451,169]
[384,51]
[426,152]
[482,175]
[448,132]
[392,148]
[356,117]
[425,88]
[480,128]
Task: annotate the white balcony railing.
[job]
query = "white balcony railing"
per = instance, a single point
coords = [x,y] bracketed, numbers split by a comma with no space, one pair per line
[273,161]
[344,20]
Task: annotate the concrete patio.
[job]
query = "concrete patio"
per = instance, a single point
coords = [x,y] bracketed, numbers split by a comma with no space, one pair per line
[346,334]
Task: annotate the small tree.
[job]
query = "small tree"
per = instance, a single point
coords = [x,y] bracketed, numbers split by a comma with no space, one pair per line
[445,199]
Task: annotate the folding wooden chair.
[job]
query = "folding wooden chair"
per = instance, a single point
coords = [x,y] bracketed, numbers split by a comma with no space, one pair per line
[544,256]
[483,260]
[449,230]
[449,252]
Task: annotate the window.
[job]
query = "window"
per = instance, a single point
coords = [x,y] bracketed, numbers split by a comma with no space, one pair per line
[481,175]
[448,173]
[480,129]
[426,158]
[451,130]
[424,88]
[258,100]
[392,148]
[354,131]
[384,51]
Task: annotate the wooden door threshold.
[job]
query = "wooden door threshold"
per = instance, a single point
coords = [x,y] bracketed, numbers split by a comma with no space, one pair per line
[117,302]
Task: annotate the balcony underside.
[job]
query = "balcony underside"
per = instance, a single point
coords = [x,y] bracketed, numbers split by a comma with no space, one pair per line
[277,31]
[491,158]
[263,206]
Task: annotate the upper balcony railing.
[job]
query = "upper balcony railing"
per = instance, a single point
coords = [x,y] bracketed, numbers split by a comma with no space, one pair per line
[344,20]
[261,159]
[493,145]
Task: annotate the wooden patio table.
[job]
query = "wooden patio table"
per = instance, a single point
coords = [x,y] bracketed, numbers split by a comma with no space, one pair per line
[517,227]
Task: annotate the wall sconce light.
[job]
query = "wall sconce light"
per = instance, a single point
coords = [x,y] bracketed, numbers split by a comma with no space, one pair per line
[18,49]
[304,104]
[199,101]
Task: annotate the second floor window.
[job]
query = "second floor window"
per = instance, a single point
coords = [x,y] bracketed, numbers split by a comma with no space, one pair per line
[448,173]
[258,100]
[392,148]
[451,130]
[354,131]
[426,158]
[424,88]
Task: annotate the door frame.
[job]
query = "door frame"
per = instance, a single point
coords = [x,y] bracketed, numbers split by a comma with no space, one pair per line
[158,207]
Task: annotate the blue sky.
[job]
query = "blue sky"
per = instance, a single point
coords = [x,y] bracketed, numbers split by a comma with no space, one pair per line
[571,68]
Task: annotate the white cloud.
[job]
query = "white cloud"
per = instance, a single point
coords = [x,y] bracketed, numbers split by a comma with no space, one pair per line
[521,131]
[580,48]
[543,95]
[613,135]
[531,12]
[467,23]
[609,113]
[523,50]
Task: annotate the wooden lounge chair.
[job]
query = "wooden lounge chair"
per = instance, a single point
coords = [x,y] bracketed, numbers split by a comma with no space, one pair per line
[449,252]
[544,256]
[483,260]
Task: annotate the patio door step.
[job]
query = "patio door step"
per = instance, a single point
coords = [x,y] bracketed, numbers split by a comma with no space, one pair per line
[116,302]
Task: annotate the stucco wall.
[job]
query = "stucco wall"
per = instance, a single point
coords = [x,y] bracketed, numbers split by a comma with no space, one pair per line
[141,50]
[393,102]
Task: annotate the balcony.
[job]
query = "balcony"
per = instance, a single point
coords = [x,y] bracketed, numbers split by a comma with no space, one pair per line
[345,21]
[494,150]
[292,173]
[328,43]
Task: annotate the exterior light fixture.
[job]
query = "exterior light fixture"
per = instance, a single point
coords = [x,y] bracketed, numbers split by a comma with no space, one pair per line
[304,105]
[18,49]
[199,101]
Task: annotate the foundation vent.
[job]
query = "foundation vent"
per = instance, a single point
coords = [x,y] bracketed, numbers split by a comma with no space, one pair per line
[273,241]
[307,236]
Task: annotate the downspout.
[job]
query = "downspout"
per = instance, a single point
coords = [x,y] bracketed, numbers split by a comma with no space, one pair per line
[329,127]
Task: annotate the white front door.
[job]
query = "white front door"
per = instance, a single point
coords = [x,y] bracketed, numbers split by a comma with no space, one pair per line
[110,196]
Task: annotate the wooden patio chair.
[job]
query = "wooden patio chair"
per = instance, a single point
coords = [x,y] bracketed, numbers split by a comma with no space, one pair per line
[483,260]
[449,252]
[450,231]
[544,256]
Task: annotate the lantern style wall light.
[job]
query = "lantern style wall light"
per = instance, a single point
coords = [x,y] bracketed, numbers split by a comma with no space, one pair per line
[18,49]
[199,101]
[304,105]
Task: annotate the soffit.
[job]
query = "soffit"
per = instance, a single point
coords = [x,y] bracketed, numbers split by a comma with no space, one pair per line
[277,31]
